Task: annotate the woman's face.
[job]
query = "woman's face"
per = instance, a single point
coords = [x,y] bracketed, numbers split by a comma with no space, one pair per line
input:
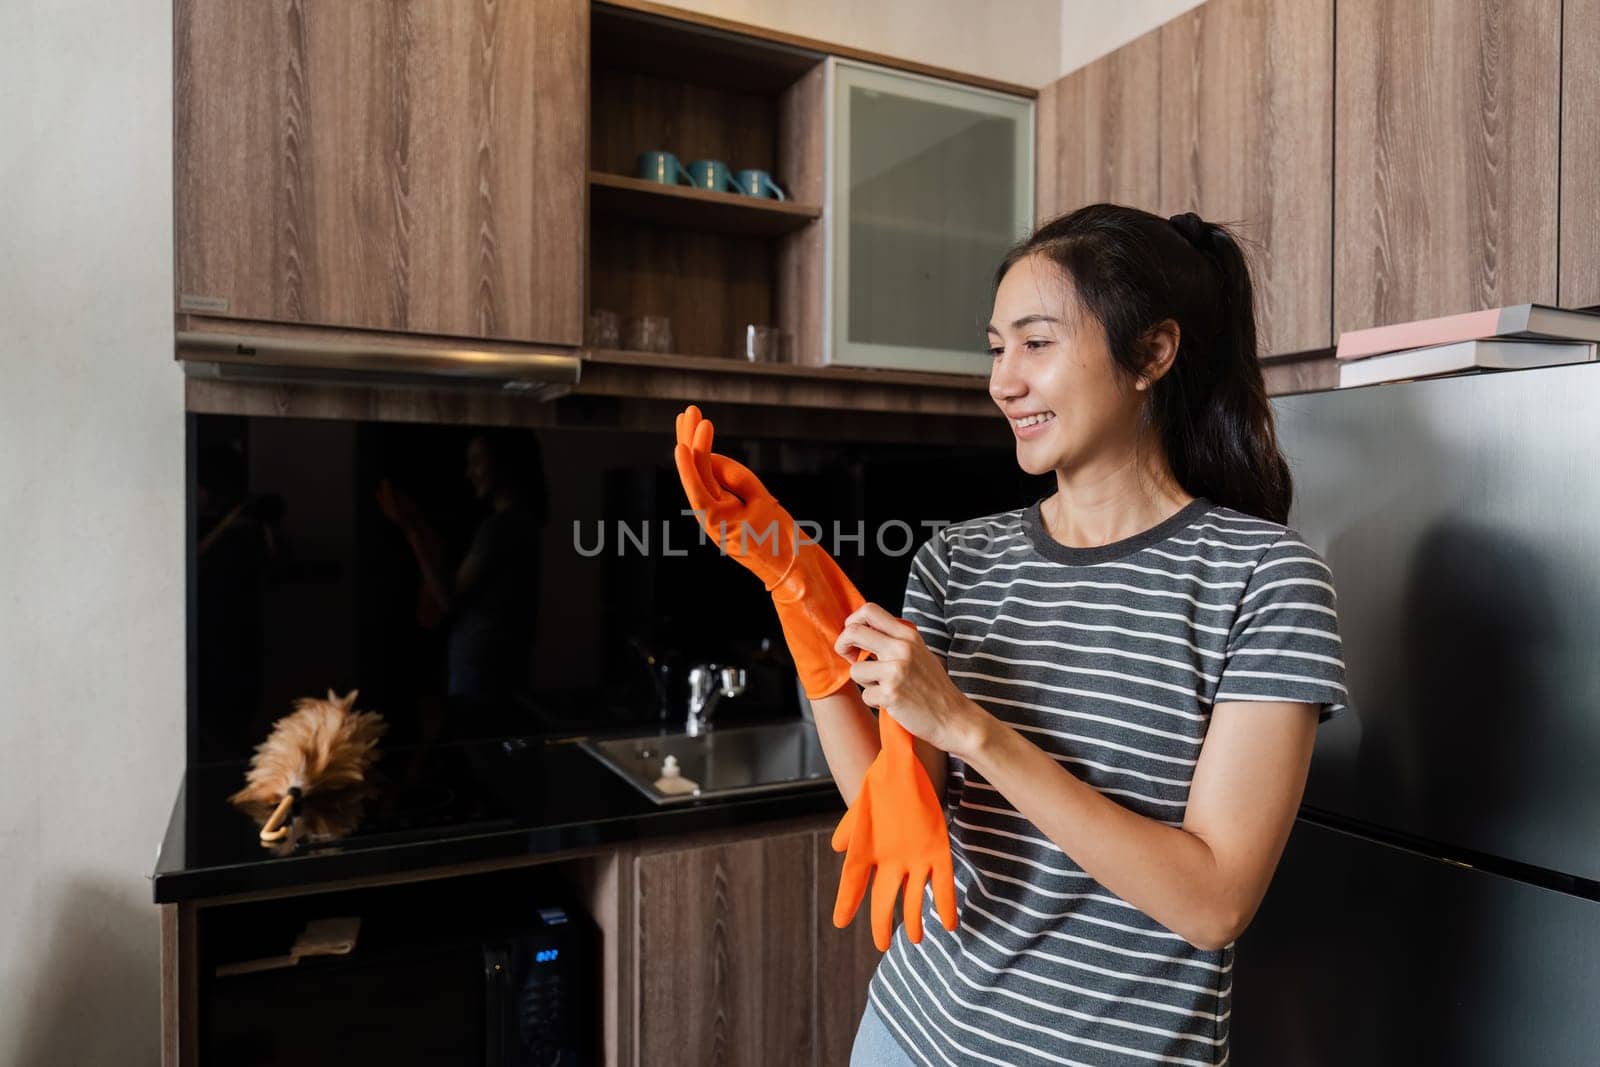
[1051,360]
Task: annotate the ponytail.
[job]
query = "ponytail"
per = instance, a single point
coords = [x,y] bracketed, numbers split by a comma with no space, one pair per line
[1131,271]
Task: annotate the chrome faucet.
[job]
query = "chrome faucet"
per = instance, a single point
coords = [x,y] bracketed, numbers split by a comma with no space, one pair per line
[707,683]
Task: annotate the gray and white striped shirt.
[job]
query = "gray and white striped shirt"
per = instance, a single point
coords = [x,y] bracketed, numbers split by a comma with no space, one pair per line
[1110,660]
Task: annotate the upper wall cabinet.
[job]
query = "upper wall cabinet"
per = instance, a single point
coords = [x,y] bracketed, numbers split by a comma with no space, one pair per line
[1580,155]
[1446,141]
[1247,140]
[929,183]
[1225,111]
[402,166]
[1099,136]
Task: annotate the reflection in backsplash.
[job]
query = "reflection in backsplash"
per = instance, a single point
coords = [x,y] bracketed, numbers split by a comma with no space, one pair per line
[477,582]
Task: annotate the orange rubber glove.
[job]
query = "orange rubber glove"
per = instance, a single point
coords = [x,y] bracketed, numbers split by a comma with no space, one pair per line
[897,826]
[903,832]
[812,595]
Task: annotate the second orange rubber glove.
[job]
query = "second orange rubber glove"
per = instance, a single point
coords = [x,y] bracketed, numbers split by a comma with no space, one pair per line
[895,827]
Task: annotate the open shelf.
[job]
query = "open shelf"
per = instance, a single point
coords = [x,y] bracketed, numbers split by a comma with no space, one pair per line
[711,262]
[701,209]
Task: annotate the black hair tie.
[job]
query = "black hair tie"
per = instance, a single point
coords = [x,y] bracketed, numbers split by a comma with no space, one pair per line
[1192,227]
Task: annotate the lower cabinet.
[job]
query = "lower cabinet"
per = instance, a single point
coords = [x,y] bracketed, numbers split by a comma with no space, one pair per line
[716,948]
[736,958]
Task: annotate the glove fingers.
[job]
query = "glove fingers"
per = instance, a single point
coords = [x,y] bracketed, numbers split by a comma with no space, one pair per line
[841,832]
[944,888]
[702,497]
[702,436]
[852,887]
[684,424]
[915,885]
[885,892]
[737,478]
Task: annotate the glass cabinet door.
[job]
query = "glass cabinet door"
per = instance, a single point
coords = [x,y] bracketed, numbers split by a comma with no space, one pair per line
[929,182]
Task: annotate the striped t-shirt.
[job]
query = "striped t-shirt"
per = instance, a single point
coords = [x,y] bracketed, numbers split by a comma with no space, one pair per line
[1109,659]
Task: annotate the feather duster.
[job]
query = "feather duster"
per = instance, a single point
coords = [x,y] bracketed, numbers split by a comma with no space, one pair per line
[309,777]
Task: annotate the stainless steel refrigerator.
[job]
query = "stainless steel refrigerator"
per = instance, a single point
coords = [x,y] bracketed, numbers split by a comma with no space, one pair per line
[1439,899]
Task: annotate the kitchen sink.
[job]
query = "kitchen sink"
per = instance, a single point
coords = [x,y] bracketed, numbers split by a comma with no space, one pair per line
[723,761]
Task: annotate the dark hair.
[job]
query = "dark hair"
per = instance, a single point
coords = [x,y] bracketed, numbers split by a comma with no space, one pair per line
[1131,270]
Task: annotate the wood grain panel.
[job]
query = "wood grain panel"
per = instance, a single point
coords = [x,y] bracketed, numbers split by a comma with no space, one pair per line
[1101,133]
[846,960]
[1247,140]
[1445,142]
[802,114]
[725,953]
[1580,154]
[604,883]
[180,986]
[404,166]
[1314,374]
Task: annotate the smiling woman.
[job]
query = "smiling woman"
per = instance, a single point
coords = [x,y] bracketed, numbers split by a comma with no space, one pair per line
[1124,677]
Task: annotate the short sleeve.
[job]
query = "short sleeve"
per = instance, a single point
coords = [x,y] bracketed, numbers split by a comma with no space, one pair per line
[925,594]
[1284,643]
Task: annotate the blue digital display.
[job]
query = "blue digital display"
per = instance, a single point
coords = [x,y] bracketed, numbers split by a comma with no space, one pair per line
[545,955]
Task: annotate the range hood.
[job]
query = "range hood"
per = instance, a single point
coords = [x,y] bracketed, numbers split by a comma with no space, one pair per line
[255,357]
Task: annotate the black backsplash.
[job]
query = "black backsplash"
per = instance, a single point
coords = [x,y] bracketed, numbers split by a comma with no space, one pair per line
[299,582]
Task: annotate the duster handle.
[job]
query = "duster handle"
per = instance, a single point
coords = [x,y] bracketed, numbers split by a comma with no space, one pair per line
[277,827]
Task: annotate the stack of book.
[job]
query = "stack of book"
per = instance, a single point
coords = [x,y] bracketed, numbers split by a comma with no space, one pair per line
[1508,338]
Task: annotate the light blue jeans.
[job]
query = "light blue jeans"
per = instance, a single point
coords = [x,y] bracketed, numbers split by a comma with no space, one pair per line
[876,1045]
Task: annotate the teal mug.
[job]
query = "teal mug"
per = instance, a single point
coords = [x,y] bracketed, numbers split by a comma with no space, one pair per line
[662,167]
[757,182]
[711,175]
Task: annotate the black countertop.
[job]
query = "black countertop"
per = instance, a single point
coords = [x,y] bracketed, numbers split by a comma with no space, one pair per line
[442,805]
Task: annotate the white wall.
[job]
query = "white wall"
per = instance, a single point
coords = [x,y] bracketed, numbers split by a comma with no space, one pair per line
[1011,40]
[1027,42]
[1092,28]
[91,534]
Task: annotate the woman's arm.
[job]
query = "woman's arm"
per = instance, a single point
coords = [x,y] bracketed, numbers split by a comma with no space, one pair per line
[849,735]
[1203,880]
[427,547]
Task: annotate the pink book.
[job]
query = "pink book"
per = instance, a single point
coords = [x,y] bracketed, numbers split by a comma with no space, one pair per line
[1519,320]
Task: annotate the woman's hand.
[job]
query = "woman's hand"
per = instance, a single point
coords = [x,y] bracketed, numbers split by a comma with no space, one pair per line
[907,679]
[399,508]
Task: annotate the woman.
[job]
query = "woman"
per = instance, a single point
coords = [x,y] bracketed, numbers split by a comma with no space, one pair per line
[1117,687]
[491,598]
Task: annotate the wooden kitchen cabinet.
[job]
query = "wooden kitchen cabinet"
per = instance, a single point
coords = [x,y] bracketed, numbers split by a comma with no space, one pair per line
[1247,140]
[1580,155]
[402,166]
[1098,132]
[725,953]
[1447,118]
[736,959]
[1226,111]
